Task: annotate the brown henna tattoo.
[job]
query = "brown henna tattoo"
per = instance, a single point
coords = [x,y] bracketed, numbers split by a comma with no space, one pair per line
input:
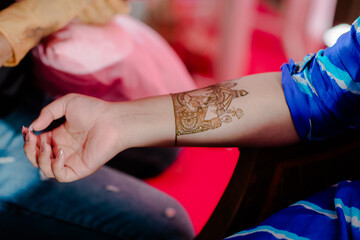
[200,111]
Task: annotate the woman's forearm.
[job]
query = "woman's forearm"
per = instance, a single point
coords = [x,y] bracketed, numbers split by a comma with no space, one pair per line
[248,111]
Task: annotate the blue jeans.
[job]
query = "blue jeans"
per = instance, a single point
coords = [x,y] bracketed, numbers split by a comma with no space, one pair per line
[106,205]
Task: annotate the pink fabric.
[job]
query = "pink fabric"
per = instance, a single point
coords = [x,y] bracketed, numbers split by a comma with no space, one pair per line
[124,59]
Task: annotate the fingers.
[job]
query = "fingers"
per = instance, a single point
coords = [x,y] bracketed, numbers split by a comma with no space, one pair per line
[31,147]
[50,160]
[51,112]
[41,154]
[61,172]
[44,157]
[38,151]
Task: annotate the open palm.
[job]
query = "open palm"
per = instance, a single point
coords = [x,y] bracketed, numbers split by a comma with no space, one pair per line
[78,147]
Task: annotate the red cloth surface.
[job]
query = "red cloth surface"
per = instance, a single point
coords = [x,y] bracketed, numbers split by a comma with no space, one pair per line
[197,180]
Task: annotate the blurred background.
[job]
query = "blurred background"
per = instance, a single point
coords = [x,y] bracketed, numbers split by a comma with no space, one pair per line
[224,39]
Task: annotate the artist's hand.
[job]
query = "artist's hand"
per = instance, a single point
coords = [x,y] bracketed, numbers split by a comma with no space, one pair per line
[5,50]
[102,11]
[78,147]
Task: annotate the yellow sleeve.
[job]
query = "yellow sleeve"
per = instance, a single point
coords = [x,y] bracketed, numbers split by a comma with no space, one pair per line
[24,23]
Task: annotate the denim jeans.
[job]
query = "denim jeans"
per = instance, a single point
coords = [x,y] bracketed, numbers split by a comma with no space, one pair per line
[106,205]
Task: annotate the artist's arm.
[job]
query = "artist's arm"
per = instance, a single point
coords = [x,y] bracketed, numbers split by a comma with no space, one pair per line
[248,111]
[26,22]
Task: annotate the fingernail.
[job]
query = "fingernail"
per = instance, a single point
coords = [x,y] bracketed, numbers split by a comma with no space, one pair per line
[60,153]
[23,131]
[42,147]
[30,128]
[27,137]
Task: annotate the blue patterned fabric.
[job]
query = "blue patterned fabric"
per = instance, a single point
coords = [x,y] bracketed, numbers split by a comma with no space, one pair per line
[323,90]
[332,214]
[323,95]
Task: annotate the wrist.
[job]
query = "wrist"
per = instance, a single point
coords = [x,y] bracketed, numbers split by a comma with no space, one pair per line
[145,123]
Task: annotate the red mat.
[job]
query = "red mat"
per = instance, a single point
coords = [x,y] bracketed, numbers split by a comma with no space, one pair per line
[200,175]
[197,180]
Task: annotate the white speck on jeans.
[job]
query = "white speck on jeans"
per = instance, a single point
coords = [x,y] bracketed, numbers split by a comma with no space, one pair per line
[5,160]
[112,188]
[170,212]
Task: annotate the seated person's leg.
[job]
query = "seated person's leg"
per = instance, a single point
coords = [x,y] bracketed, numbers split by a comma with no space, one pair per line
[106,204]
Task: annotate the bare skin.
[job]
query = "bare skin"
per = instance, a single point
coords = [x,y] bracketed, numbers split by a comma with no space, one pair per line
[248,111]
[202,111]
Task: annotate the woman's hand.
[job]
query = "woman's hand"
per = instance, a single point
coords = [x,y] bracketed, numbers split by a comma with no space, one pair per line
[94,132]
[78,147]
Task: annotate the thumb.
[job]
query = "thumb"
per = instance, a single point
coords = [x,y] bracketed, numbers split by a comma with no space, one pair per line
[51,112]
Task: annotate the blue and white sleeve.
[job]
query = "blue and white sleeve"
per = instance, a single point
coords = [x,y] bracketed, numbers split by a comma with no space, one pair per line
[323,91]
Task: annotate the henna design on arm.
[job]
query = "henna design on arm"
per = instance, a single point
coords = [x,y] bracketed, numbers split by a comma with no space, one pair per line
[206,109]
